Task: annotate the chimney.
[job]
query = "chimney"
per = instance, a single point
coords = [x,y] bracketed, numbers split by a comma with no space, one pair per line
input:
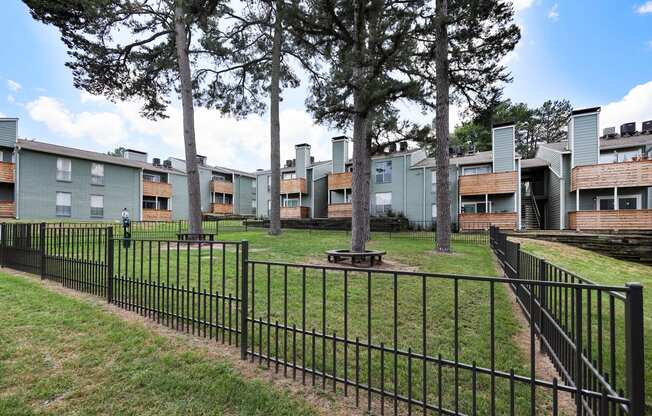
[136,155]
[583,136]
[340,146]
[503,148]
[302,159]
[8,131]
[201,160]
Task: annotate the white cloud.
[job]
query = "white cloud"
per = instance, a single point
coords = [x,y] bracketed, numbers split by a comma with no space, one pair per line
[104,128]
[635,106]
[11,98]
[553,13]
[13,85]
[644,8]
[520,5]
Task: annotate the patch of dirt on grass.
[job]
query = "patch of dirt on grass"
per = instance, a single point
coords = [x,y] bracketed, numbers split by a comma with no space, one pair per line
[323,402]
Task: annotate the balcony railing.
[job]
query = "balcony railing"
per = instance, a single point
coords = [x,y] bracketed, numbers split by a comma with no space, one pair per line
[340,181]
[157,214]
[620,219]
[222,208]
[159,189]
[342,210]
[7,209]
[488,183]
[222,187]
[295,212]
[482,221]
[611,175]
[7,172]
[294,186]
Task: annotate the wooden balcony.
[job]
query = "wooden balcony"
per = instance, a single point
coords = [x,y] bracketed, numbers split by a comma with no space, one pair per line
[7,209]
[7,172]
[157,214]
[295,212]
[342,210]
[482,221]
[488,183]
[159,189]
[621,219]
[610,175]
[339,181]
[294,186]
[222,187]
[224,209]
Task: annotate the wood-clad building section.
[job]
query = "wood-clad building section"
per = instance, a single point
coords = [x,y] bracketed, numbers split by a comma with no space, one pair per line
[620,219]
[611,175]
[295,212]
[7,209]
[482,221]
[342,210]
[294,186]
[340,181]
[488,183]
[159,189]
[7,172]
[157,214]
[221,208]
[222,187]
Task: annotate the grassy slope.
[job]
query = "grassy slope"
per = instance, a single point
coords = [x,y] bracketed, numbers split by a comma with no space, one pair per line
[607,270]
[59,355]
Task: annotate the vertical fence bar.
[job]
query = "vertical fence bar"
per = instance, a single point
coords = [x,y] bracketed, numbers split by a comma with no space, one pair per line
[109,264]
[635,349]
[244,295]
[41,248]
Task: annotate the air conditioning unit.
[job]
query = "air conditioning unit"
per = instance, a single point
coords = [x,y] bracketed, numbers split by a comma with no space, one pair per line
[609,132]
[647,127]
[167,164]
[156,161]
[392,147]
[628,129]
[403,146]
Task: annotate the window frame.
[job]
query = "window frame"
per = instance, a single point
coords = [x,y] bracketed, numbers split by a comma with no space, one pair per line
[64,175]
[385,210]
[57,206]
[101,213]
[466,169]
[94,177]
[386,175]
[637,197]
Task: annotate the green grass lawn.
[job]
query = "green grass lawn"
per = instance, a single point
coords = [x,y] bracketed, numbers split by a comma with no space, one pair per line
[60,355]
[605,270]
[192,267]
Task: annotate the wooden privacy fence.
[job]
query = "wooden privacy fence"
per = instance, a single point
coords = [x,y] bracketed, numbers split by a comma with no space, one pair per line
[395,341]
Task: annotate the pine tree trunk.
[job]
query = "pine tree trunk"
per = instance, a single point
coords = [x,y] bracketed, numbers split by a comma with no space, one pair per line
[360,184]
[194,196]
[275,127]
[441,129]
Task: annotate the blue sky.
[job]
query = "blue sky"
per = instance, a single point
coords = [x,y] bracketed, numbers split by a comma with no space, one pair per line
[590,52]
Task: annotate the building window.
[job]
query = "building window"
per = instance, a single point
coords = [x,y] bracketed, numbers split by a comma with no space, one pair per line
[606,203]
[150,177]
[475,207]
[254,184]
[434,211]
[97,174]
[290,202]
[97,206]
[433,180]
[383,203]
[253,203]
[620,156]
[384,171]
[269,183]
[289,175]
[64,170]
[64,203]
[475,170]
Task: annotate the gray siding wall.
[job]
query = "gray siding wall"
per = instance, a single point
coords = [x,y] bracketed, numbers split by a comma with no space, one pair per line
[320,199]
[179,201]
[38,188]
[205,176]
[588,197]
[8,132]
[340,155]
[396,186]
[302,160]
[585,139]
[262,194]
[569,197]
[503,149]
[419,205]
[551,156]
[554,202]
[244,194]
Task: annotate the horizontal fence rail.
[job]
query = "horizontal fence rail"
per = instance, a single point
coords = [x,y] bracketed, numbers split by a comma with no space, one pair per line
[594,338]
[395,341]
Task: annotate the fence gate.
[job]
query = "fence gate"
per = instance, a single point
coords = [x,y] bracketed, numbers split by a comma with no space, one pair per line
[21,247]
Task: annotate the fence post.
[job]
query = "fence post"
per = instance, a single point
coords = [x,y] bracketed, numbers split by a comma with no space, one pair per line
[244,302]
[635,349]
[3,232]
[41,248]
[109,264]
[517,266]
[543,300]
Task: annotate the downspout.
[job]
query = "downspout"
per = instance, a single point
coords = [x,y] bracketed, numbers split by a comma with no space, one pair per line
[405,185]
[425,205]
[140,191]
[235,193]
[17,184]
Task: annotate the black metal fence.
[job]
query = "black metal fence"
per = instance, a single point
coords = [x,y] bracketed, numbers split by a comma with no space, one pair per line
[397,341]
[594,338]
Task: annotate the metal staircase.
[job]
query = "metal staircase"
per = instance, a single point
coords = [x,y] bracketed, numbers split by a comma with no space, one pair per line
[530,215]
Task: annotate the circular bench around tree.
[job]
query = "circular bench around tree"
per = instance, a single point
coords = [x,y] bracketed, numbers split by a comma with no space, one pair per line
[368,256]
